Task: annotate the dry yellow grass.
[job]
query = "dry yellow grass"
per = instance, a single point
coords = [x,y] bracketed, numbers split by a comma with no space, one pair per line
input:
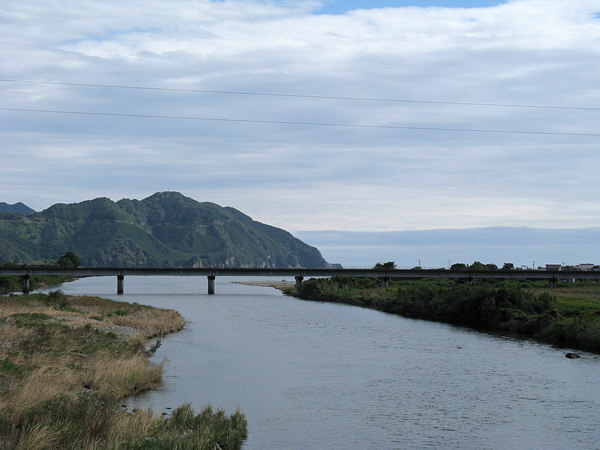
[120,377]
[61,366]
[64,363]
[43,384]
[153,322]
[281,285]
[10,335]
[40,436]
[133,427]
[97,312]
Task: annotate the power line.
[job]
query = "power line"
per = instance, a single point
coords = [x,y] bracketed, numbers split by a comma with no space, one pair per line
[286,122]
[322,97]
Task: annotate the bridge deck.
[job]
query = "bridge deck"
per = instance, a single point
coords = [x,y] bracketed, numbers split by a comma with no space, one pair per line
[27,271]
[292,272]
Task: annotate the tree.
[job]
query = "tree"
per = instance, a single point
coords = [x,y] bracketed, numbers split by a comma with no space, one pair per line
[481,266]
[458,266]
[478,266]
[508,266]
[390,265]
[69,259]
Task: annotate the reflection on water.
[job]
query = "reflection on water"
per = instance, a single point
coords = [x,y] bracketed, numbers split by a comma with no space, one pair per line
[318,375]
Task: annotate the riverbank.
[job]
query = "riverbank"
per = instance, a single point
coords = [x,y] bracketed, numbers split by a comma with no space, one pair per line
[567,317]
[65,364]
[14,283]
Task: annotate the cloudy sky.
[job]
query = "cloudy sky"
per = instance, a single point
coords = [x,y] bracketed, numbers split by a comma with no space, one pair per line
[309,115]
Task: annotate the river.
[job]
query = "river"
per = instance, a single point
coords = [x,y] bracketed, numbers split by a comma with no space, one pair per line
[320,375]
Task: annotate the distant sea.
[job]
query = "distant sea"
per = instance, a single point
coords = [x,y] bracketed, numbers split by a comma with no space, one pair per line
[439,248]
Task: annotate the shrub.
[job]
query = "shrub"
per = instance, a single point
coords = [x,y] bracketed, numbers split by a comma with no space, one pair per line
[311,289]
[58,299]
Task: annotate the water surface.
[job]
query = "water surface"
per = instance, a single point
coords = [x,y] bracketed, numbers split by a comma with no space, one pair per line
[320,375]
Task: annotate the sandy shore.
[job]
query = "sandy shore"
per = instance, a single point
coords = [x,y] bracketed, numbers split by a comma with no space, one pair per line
[281,285]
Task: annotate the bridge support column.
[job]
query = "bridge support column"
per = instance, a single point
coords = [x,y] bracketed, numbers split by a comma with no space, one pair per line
[211,284]
[299,279]
[385,282]
[26,285]
[552,282]
[120,283]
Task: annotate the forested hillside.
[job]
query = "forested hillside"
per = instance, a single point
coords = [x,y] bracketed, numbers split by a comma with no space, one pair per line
[165,229]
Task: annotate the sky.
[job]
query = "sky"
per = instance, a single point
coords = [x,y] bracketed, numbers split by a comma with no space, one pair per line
[521,246]
[310,116]
[340,7]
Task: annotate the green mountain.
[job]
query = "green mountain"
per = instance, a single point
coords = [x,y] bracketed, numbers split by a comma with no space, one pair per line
[16,208]
[165,229]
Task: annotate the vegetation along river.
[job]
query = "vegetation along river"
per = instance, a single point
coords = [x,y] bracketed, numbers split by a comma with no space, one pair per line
[321,375]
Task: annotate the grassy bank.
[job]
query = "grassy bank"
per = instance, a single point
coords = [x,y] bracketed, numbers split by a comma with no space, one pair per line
[65,364]
[568,316]
[14,283]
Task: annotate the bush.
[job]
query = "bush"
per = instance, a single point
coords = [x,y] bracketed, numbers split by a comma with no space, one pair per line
[311,289]
[58,299]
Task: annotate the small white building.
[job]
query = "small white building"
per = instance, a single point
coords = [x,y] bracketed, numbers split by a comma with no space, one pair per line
[585,266]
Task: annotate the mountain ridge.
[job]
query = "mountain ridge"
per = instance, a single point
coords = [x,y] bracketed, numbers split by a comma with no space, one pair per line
[164,229]
[15,208]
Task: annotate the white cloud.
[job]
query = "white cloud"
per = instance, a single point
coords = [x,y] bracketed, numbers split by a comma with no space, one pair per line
[308,177]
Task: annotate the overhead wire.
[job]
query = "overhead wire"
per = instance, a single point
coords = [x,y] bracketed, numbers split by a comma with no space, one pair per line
[284,122]
[289,122]
[308,96]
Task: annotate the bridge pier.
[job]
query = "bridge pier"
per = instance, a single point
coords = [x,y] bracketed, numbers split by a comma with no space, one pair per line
[26,285]
[385,282]
[211,284]
[552,282]
[299,279]
[120,283]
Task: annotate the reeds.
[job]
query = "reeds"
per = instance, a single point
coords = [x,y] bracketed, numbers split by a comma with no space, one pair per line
[153,322]
[183,430]
[120,377]
[63,371]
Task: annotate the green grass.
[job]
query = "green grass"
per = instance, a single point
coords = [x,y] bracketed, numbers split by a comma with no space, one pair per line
[29,319]
[187,430]
[118,312]
[6,365]
[66,421]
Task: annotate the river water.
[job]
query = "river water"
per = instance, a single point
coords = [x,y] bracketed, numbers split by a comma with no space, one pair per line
[319,375]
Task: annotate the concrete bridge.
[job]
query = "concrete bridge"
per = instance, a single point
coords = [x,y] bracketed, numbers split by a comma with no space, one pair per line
[27,271]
